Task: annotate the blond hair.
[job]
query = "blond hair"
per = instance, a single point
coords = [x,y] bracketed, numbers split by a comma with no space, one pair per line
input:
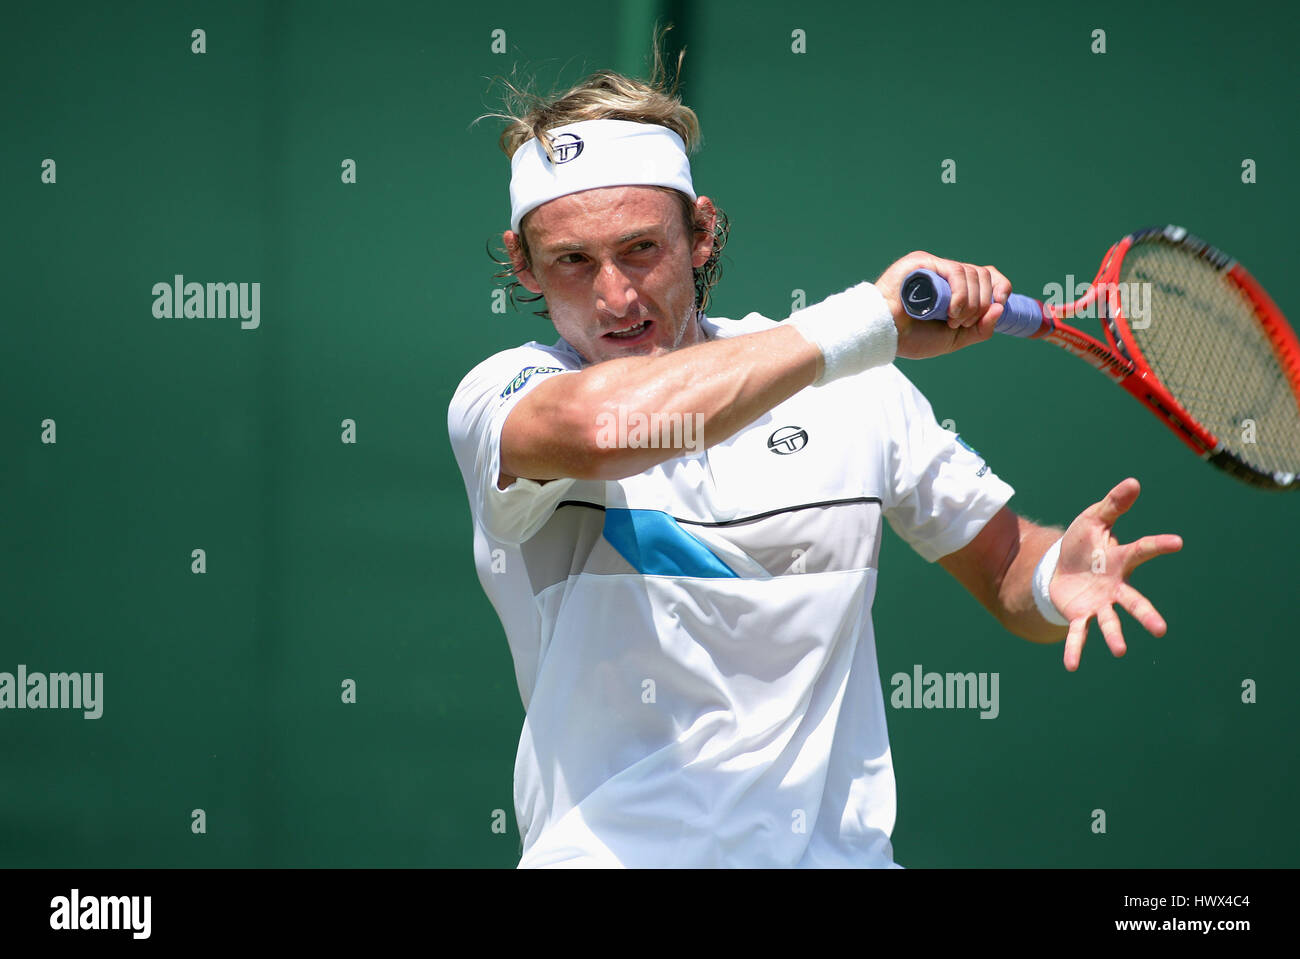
[606,95]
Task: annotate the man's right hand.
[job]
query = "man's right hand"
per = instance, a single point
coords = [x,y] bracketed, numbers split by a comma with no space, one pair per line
[978,295]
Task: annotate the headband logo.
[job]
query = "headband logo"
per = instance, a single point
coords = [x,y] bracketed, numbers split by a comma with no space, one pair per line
[567,146]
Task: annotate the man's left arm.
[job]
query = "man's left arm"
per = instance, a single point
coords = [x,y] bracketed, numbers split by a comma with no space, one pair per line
[998,565]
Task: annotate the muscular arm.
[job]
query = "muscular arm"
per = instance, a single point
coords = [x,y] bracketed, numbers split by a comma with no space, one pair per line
[555,429]
[997,567]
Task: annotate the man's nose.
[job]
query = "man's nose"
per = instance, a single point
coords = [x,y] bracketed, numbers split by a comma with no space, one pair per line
[614,291]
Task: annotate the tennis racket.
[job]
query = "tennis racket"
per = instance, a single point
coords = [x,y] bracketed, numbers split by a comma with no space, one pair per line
[1189,333]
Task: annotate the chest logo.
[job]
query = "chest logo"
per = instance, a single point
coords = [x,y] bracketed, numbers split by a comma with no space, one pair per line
[788,439]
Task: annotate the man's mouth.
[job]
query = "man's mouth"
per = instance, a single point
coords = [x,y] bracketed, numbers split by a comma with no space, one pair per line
[631,332]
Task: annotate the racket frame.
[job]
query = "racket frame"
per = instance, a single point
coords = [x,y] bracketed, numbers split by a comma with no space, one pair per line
[1120,358]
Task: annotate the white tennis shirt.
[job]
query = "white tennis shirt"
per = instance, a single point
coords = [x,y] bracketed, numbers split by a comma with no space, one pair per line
[693,645]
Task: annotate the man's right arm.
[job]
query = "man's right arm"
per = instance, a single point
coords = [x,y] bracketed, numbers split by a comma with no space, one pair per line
[557,428]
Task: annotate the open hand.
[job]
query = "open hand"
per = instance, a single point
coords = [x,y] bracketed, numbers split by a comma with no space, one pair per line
[1092,572]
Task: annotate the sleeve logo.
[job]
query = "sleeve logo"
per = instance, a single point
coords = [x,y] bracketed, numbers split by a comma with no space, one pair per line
[984,467]
[525,375]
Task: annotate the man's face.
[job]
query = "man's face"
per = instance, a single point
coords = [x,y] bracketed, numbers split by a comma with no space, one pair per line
[615,266]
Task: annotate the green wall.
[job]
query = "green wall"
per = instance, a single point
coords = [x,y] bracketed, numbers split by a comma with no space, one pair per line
[328,561]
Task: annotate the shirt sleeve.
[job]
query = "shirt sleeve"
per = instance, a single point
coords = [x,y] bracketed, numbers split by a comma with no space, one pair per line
[475,418]
[939,491]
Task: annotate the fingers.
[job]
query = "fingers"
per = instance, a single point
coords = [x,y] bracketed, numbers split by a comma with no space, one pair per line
[1074,641]
[1078,635]
[1105,514]
[987,324]
[976,291]
[973,289]
[1140,608]
[1110,628]
[1001,285]
[978,295]
[981,292]
[1117,501]
[1149,547]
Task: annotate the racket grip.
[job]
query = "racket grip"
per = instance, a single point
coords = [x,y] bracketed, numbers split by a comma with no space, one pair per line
[926,296]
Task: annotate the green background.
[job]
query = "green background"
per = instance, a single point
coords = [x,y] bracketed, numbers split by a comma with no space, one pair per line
[328,561]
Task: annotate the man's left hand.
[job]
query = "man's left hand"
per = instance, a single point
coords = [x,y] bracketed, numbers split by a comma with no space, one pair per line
[1092,571]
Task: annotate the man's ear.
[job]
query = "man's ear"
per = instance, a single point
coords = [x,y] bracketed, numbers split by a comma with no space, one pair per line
[706,218]
[515,250]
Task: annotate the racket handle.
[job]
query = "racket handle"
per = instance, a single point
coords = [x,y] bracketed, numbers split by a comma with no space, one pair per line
[926,295]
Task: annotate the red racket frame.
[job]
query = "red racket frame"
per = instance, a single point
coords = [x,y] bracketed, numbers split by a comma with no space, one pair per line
[1120,359]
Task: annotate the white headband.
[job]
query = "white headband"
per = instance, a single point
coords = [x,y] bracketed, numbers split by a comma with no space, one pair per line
[596,153]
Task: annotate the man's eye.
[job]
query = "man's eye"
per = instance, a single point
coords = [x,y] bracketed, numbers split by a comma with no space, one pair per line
[577,257]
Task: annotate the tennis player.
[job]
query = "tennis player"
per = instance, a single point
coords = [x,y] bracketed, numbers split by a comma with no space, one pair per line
[678,517]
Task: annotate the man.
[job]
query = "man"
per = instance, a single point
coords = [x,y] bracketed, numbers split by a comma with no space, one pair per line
[688,603]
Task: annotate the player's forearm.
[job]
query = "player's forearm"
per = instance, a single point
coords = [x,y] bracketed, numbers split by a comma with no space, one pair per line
[1018,612]
[599,424]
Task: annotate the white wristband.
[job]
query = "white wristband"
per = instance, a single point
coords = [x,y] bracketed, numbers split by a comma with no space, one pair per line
[1042,578]
[854,330]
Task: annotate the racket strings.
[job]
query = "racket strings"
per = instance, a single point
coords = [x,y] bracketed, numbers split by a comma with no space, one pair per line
[1205,344]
